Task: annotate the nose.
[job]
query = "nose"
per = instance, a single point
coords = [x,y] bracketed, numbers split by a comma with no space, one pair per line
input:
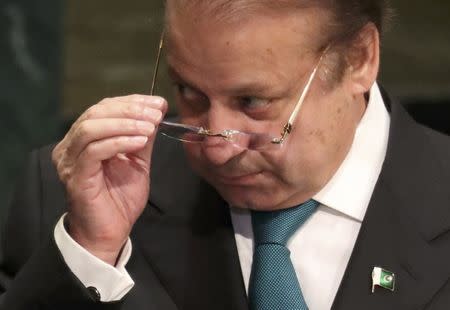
[217,149]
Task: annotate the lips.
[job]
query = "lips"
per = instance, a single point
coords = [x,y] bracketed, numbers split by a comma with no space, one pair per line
[242,179]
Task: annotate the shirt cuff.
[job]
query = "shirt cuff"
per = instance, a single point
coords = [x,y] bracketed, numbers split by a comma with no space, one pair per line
[113,283]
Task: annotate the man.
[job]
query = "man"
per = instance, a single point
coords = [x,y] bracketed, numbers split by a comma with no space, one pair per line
[369,185]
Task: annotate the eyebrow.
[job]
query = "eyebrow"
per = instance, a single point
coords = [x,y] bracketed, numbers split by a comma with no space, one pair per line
[251,87]
[175,76]
[244,88]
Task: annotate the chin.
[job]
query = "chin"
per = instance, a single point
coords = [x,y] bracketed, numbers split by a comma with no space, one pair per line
[261,198]
[250,197]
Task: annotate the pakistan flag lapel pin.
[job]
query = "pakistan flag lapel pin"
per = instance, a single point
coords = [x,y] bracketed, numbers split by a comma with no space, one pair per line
[383,278]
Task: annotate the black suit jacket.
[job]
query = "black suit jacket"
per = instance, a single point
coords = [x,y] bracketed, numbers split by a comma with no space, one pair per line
[184,252]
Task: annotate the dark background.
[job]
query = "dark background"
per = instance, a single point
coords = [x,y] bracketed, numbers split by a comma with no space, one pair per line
[59,57]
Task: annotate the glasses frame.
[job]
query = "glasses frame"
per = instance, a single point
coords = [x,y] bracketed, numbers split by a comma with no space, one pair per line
[287,129]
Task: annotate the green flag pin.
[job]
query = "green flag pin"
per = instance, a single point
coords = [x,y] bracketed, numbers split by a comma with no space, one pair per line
[383,278]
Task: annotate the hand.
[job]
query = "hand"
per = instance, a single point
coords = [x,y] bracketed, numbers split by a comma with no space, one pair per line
[104,163]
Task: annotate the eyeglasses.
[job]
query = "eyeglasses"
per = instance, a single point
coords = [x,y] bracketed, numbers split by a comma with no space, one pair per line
[244,140]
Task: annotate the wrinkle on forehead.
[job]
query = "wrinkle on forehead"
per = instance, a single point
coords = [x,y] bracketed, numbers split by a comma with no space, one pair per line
[267,49]
[263,49]
[236,13]
[230,10]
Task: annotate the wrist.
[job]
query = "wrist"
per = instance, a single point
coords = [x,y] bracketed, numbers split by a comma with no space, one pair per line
[106,249]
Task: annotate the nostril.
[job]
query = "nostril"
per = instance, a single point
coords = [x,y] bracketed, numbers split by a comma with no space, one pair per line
[214,142]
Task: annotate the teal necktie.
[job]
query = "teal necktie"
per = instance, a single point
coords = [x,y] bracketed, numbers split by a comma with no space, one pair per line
[273,282]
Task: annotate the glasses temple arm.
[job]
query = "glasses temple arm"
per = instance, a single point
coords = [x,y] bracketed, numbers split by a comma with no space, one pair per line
[288,127]
[302,98]
[158,59]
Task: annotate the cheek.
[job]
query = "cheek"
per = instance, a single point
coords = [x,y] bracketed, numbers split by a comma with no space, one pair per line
[286,166]
[191,118]
[303,156]
[193,154]
[320,126]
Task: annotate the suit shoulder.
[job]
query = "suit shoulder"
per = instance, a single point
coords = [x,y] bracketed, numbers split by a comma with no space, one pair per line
[441,144]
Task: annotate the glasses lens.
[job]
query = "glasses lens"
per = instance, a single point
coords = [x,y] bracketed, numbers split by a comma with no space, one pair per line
[181,132]
[253,141]
[186,133]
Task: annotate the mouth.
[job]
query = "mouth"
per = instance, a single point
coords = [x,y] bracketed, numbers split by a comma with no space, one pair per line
[239,180]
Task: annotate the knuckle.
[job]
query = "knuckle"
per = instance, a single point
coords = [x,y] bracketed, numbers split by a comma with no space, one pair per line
[56,154]
[82,130]
[90,112]
[91,149]
[126,124]
[116,142]
[133,125]
[74,126]
[135,97]
[132,110]
[65,174]
[69,150]
[63,169]
[104,101]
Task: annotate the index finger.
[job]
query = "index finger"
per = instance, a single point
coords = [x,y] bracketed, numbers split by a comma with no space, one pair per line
[134,107]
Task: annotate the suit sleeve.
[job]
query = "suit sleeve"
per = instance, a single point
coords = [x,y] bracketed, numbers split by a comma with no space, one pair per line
[33,274]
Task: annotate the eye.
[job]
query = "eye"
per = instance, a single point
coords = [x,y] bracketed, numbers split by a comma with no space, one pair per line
[190,100]
[253,103]
[189,94]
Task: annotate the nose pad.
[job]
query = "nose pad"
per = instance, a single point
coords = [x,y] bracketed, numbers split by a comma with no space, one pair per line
[219,151]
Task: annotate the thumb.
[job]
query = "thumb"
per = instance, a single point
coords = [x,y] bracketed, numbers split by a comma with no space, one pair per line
[145,154]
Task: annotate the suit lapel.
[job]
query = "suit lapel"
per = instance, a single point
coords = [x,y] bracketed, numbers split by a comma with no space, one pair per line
[148,293]
[186,237]
[390,241]
[402,226]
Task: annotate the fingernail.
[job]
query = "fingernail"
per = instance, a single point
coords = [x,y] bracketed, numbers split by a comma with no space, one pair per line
[148,113]
[139,140]
[158,115]
[153,114]
[146,126]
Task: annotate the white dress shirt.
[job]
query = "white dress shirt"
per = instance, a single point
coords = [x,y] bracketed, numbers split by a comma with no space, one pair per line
[112,283]
[320,249]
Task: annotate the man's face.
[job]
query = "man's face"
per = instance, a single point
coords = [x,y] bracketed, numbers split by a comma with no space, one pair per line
[248,76]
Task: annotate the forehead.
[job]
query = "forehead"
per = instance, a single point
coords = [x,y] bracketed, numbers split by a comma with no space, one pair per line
[260,41]
[234,9]
[303,22]
[263,50]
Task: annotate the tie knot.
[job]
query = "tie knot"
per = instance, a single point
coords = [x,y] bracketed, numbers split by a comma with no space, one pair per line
[279,226]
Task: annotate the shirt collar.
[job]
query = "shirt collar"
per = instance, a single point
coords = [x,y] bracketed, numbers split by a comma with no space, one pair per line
[350,189]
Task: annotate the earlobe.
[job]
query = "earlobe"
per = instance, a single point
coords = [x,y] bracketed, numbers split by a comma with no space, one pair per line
[364,59]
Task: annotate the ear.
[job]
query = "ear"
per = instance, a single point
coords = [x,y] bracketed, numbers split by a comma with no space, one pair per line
[363,60]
